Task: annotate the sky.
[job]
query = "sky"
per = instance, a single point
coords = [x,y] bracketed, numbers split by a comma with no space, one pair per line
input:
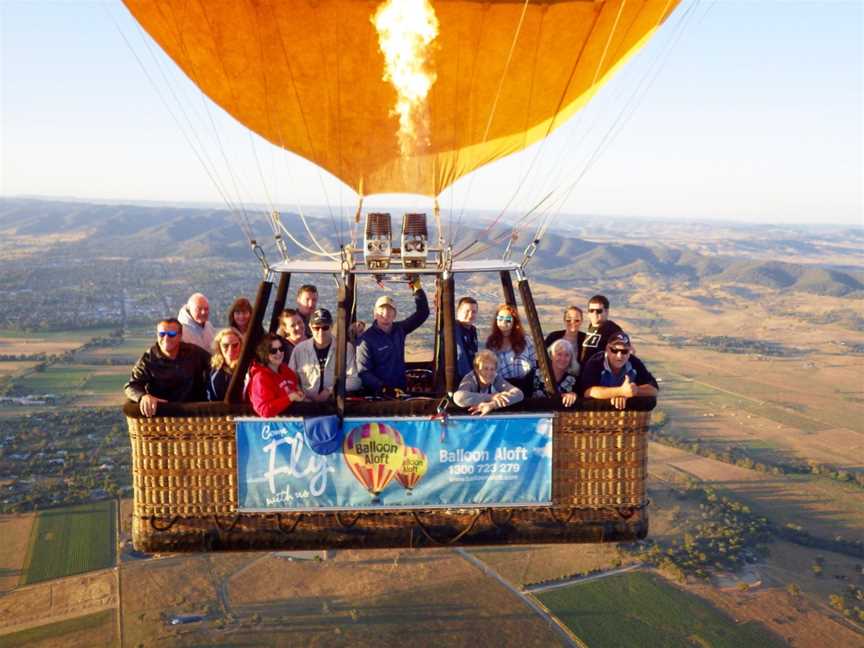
[754,116]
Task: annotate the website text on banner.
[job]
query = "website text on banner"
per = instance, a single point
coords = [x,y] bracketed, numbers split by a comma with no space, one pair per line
[397,463]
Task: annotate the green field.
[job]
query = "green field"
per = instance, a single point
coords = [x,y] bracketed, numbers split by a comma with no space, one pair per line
[129,350]
[107,383]
[713,397]
[72,379]
[78,335]
[71,540]
[57,630]
[641,609]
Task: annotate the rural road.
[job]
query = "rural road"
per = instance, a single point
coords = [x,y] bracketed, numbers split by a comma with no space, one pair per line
[567,637]
[534,589]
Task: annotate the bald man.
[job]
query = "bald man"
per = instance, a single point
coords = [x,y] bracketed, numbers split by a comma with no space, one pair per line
[194,317]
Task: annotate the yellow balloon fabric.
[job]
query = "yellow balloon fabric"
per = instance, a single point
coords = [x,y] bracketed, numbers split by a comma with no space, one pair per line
[307,75]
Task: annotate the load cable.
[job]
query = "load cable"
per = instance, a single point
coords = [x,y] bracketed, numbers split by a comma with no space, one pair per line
[243,223]
[494,107]
[542,143]
[626,112]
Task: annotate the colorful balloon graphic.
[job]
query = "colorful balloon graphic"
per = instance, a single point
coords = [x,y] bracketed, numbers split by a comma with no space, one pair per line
[374,452]
[413,468]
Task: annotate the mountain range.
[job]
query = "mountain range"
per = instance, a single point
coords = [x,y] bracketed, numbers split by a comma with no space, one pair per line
[86,230]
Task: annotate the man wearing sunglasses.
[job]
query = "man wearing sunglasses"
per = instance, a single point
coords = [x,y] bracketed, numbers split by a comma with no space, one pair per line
[600,329]
[170,371]
[617,374]
[314,360]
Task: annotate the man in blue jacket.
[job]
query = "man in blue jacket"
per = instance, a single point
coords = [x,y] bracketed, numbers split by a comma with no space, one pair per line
[381,351]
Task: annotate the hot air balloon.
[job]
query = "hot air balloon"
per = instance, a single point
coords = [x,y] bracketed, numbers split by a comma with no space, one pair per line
[317,78]
[309,76]
[373,452]
[413,468]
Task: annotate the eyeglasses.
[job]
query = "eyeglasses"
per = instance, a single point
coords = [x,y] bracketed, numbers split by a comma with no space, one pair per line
[229,345]
[504,318]
[325,327]
[577,320]
[620,352]
[170,334]
[596,310]
[275,350]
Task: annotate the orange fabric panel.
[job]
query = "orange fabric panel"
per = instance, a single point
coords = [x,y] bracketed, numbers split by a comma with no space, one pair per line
[307,76]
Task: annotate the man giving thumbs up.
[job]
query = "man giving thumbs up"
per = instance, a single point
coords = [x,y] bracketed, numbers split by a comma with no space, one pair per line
[617,374]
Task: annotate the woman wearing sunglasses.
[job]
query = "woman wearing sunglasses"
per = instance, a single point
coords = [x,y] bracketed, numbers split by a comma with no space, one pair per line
[517,360]
[226,354]
[272,385]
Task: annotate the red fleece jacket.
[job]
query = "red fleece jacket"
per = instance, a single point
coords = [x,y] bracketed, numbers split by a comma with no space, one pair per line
[266,389]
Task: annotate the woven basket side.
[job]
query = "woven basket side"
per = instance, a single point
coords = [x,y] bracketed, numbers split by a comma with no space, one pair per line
[600,459]
[183,466]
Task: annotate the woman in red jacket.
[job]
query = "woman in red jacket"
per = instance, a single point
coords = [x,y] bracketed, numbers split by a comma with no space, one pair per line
[272,385]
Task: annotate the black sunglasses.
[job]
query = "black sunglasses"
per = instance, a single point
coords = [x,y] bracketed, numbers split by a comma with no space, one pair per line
[277,350]
[620,351]
[596,310]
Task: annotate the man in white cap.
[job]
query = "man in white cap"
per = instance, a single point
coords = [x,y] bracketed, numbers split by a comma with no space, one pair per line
[194,317]
[381,351]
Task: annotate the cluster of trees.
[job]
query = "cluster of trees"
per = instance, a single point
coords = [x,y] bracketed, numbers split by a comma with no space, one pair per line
[849,602]
[71,457]
[838,544]
[726,536]
[730,344]
[738,456]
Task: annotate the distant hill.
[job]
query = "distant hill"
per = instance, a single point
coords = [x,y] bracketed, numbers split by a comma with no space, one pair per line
[97,230]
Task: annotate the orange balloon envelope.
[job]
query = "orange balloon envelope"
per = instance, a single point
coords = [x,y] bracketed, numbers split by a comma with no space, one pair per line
[308,75]
[373,452]
[413,468]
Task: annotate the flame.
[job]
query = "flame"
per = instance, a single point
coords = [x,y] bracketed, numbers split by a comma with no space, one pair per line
[406,29]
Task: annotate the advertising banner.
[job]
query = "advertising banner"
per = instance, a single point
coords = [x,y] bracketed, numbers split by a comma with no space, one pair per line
[396,463]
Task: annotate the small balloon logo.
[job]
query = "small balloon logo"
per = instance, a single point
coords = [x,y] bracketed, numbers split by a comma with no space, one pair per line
[413,468]
[374,452]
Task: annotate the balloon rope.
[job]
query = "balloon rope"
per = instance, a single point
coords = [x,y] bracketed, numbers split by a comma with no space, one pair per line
[494,107]
[310,140]
[201,154]
[542,144]
[632,103]
[626,113]
[228,166]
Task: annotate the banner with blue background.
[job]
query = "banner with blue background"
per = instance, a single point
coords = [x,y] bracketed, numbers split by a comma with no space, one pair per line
[397,463]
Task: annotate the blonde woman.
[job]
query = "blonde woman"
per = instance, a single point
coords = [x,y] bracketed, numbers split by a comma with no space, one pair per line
[483,390]
[226,355]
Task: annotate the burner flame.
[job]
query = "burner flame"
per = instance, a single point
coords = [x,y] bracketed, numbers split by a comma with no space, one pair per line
[406,31]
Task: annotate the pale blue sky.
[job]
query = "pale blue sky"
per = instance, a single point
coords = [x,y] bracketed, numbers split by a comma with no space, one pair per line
[756,116]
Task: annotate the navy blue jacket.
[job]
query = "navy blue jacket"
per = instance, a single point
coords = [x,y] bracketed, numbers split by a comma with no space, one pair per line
[466,349]
[381,356]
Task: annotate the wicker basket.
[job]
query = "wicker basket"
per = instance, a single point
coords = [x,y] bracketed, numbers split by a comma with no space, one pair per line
[185,493]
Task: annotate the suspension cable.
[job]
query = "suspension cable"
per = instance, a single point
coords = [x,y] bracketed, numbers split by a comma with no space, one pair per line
[626,112]
[494,107]
[200,155]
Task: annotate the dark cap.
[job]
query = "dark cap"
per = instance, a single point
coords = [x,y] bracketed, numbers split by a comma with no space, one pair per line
[619,338]
[321,317]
